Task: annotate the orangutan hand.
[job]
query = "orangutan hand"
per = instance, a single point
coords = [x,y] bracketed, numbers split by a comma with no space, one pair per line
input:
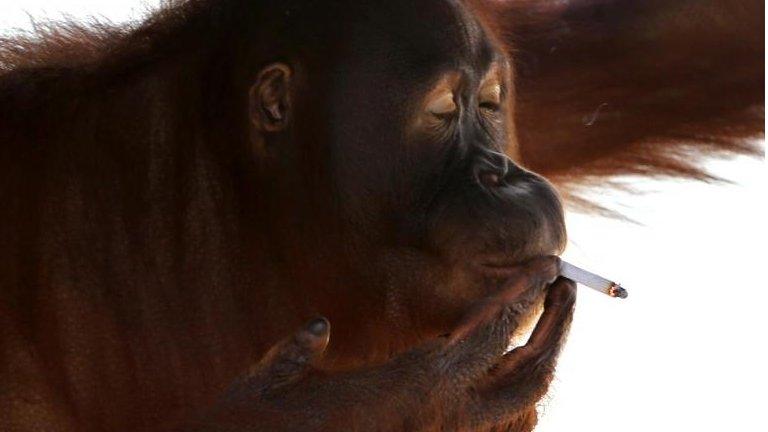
[465,381]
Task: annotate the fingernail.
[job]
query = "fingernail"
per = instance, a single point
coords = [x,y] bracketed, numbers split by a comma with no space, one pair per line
[318,326]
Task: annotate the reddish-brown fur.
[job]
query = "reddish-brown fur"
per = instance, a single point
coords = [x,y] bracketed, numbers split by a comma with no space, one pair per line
[622,87]
[140,275]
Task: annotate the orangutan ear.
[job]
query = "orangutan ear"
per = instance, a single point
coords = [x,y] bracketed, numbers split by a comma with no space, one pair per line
[269,98]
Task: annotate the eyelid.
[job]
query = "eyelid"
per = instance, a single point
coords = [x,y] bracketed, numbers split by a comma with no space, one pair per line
[442,105]
[491,94]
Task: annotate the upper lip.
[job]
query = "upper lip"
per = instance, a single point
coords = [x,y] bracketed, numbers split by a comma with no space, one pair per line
[504,265]
[499,264]
[502,268]
[510,260]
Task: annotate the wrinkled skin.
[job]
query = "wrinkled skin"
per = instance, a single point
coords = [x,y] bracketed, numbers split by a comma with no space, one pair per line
[426,207]
[335,188]
[429,211]
[358,173]
[468,384]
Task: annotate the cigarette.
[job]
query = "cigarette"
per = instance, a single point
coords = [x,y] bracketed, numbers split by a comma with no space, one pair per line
[591,280]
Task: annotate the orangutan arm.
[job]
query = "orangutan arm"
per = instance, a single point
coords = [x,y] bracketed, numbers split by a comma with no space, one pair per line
[618,86]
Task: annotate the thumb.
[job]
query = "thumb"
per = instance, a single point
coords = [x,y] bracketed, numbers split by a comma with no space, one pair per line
[291,358]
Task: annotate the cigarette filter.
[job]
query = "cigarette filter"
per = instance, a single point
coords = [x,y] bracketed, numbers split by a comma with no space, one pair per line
[591,280]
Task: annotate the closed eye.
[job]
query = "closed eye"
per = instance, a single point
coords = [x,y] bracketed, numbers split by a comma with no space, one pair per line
[490,106]
[443,106]
[490,97]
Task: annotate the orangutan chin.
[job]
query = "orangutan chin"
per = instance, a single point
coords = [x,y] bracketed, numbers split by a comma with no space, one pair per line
[352,191]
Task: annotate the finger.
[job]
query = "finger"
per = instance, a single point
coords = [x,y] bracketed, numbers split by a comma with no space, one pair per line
[470,358]
[521,289]
[289,359]
[484,336]
[546,338]
[522,377]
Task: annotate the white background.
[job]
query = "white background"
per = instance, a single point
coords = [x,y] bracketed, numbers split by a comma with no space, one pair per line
[687,349]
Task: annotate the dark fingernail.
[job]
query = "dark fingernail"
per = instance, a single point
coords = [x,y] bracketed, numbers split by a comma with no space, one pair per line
[318,326]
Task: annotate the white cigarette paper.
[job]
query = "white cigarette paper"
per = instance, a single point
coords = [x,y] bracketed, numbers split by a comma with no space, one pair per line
[591,280]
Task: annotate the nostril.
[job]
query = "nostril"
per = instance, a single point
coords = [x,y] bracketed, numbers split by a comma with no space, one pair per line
[490,179]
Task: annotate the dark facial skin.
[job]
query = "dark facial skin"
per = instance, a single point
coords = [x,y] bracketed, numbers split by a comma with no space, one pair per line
[290,215]
[198,199]
[430,214]
[430,218]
